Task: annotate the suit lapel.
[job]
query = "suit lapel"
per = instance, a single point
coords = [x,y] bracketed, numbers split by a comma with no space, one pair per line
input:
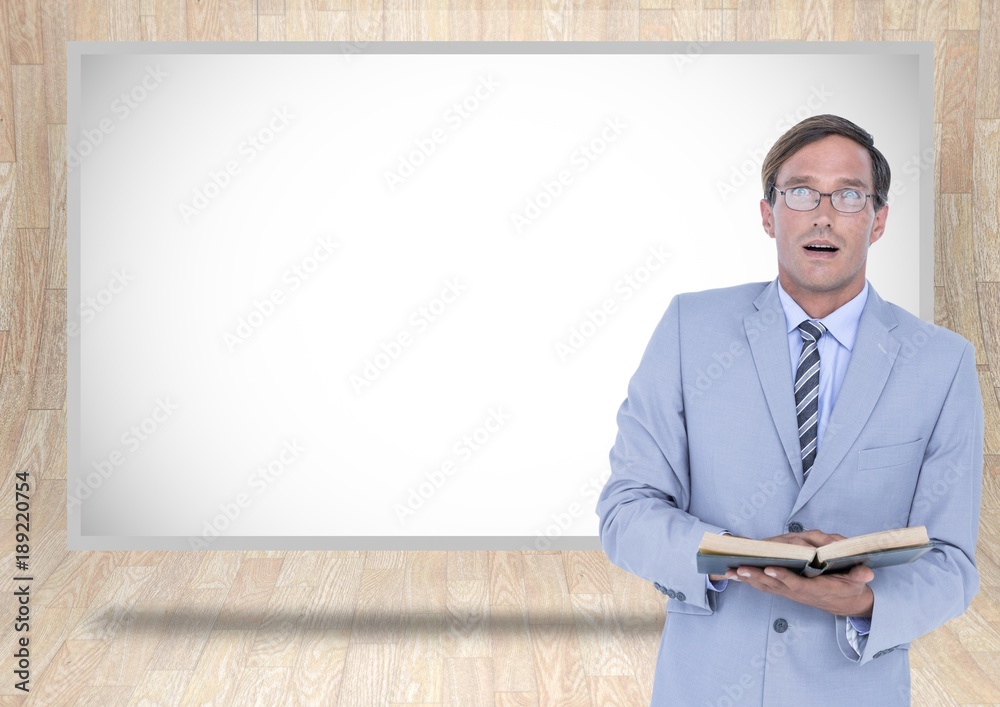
[871,361]
[768,337]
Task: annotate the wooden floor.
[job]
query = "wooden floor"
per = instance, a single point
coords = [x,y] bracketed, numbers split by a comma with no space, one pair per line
[432,628]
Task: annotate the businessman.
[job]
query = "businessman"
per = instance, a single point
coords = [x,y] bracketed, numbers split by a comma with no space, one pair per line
[801,410]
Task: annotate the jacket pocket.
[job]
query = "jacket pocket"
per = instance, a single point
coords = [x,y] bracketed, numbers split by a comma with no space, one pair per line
[895,455]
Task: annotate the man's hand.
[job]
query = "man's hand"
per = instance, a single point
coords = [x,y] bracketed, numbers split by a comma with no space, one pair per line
[846,594]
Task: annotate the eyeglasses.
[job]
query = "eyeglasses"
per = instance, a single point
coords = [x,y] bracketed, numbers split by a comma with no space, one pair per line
[848,201]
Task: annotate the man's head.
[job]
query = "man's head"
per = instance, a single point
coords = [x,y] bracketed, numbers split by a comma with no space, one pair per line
[822,248]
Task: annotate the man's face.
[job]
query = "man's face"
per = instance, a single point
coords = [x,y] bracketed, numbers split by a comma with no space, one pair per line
[811,275]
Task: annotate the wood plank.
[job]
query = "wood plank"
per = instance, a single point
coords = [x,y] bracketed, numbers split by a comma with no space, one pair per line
[868,17]
[546,594]
[67,676]
[160,687]
[368,673]
[989,308]
[509,638]
[187,634]
[133,646]
[425,588]
[420,664]
[28,305]
[468,681]
[468,619]
[558,665]
[318,672]
[271,28]
[30,140]
[250,593]
[7,151]
[956,114]
[56,258]
[87,20]
[110,609]
[620,690]
[278,636]
[985,205]
[170,17]
[377,615]
[221,21]
[211,682]
[24,32]
[8,245]
[123,21]
[963,14]
[76,581]
[260,686]
[753,21]
[955,214]
[586,572]
[300,20]
[602,641]
[988,85]
[49,379]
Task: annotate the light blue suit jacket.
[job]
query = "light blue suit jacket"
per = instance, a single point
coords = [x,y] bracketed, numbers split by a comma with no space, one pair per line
[708,441]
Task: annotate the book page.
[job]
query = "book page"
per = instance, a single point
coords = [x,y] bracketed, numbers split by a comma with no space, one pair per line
[874,542]
[715,544]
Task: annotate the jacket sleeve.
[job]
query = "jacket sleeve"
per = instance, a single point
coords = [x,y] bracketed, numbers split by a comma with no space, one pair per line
[644,524]
[913,599]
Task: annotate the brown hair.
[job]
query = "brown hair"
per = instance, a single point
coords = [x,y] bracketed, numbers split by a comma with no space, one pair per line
[816,128]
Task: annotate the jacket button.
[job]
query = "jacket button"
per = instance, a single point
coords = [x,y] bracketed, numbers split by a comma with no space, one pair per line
[780,625]
[795,527]
[659,588]
[680,596]
[671,594]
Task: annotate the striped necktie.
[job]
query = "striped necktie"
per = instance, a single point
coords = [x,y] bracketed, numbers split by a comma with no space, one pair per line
[807,391]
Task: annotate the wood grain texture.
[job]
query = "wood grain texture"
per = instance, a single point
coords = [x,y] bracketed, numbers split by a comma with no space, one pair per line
[421,628]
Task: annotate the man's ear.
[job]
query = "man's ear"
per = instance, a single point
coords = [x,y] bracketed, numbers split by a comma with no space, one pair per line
[878,228]
[767,217]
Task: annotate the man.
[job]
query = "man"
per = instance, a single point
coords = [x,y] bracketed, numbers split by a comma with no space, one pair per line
[728,428]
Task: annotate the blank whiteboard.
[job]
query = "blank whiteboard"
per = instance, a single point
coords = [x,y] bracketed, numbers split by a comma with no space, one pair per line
[391,295]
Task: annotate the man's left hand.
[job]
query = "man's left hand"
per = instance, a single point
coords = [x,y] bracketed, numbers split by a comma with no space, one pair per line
[842,594]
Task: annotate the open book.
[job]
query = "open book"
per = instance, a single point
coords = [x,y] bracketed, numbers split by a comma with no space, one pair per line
[717,553]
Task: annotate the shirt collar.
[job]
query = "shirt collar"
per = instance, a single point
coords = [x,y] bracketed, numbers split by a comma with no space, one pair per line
[841,322]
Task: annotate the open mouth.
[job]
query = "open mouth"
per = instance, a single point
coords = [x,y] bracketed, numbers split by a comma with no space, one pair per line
[819,248]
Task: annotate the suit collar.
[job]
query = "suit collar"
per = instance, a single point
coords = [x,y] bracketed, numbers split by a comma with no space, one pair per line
[872,357]
[768,339]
